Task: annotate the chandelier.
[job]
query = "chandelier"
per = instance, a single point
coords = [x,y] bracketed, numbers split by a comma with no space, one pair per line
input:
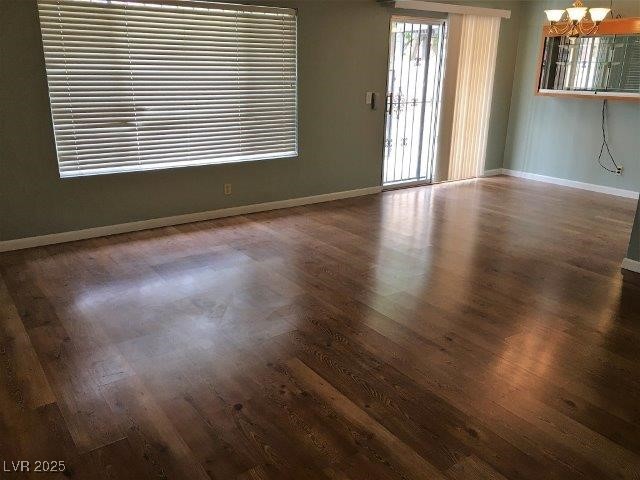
[575,21]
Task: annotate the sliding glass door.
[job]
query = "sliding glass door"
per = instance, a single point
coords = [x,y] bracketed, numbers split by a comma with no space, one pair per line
[416,55]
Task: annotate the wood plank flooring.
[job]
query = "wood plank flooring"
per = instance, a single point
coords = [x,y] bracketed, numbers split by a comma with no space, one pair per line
[479,330]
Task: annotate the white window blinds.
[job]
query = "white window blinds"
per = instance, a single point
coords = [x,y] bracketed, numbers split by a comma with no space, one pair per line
[144,85]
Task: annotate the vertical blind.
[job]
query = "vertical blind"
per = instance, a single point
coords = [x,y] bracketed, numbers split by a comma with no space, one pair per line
[474,88]
[147,85]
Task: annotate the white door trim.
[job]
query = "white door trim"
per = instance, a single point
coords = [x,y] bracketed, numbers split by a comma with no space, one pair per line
[450,8]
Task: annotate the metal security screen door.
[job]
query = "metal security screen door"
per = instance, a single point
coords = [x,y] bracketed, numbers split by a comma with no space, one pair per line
[416,56]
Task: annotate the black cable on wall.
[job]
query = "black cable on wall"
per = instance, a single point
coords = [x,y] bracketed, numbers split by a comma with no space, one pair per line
[605,144]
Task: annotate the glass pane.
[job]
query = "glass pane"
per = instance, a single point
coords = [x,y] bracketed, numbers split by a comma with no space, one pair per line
[415,71]
[604,64]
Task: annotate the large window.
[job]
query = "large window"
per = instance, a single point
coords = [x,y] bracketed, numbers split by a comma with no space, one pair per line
[137,85]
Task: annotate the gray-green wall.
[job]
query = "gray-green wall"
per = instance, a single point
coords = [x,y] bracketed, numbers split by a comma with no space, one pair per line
[561,137]
[342,54]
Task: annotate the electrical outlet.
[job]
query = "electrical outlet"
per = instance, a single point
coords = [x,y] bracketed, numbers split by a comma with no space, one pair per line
[227,189]
[619,170]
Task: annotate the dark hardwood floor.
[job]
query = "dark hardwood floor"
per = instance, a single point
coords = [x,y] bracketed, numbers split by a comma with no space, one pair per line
[479,330]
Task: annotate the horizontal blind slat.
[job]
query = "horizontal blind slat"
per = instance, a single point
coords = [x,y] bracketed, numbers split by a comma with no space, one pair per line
[190,104]
[213,10]
[201,138]
[92,32]
[151,100]
[65,16]
[118,113]
[141,123]
[130,61]
[234,50]
[166,151]
[87,53]
[114,130]
[148,120]
[109,133]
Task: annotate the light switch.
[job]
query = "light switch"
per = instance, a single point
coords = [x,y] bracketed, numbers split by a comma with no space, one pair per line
[370,100]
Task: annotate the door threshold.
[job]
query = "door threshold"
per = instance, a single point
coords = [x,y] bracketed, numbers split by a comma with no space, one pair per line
[399,185]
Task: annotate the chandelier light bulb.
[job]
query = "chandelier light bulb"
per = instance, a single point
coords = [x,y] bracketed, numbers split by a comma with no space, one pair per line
[576,13]
[598,14]
[554,15]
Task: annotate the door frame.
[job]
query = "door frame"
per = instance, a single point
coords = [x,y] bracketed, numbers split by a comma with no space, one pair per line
[407,19]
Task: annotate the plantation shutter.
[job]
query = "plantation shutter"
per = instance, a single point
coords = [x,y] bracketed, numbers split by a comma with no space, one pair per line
[144,85]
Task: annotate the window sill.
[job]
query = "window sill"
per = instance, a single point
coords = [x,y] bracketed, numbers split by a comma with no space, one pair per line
[183,164]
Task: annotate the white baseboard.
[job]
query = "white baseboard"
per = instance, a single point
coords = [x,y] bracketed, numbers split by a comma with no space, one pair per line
[631,265]
[20,243]
[564,182]
[493,173]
